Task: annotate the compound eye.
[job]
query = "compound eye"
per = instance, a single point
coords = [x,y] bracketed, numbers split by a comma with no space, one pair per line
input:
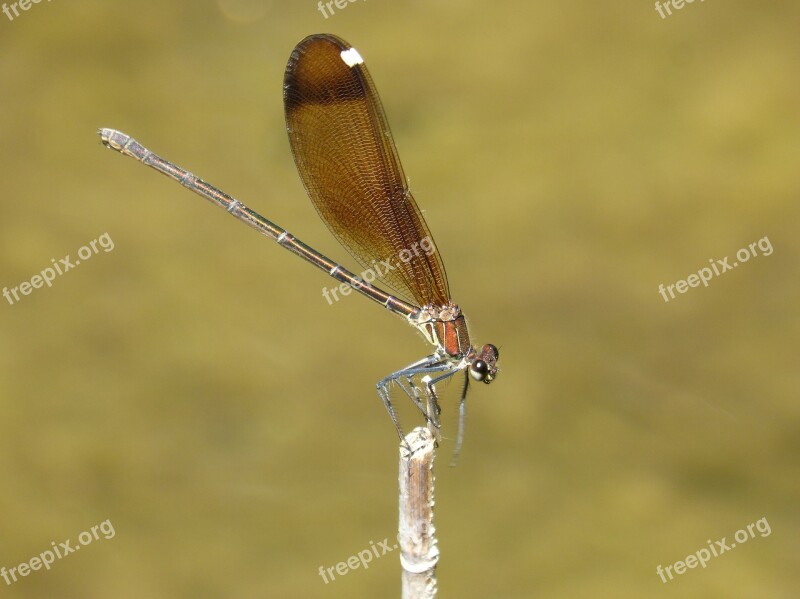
[478,370]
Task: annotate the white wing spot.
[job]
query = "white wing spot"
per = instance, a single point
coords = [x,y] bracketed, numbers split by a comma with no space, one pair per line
[351,57]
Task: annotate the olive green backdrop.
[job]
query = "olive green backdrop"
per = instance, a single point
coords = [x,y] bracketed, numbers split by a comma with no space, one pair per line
[193,387]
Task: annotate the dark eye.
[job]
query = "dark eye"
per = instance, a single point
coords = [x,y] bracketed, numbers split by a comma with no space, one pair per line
[478,370]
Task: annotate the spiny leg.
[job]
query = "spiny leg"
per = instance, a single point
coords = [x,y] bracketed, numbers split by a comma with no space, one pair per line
[383,393]
[433,410]
[424,366]
[433,399]
[412,392]
[431,416]
[462,414]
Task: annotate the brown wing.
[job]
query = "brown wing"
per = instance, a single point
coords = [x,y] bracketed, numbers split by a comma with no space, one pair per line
[347,160]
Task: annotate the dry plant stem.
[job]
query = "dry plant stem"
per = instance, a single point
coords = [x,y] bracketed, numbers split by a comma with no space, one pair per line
[419,553]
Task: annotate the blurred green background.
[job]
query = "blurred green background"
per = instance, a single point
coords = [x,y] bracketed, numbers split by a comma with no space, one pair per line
[193,387]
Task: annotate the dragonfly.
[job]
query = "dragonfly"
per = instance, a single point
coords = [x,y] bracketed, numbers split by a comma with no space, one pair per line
[349,165]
